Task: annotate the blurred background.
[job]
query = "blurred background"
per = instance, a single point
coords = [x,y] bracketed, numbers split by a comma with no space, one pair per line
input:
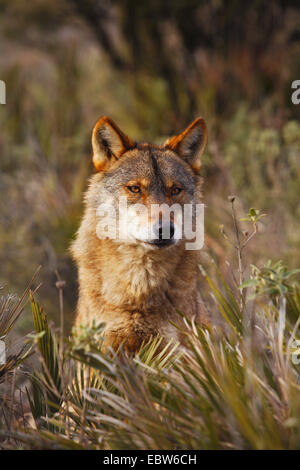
[153,66]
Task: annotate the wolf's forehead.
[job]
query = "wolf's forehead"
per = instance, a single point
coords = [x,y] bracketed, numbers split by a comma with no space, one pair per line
[151,164]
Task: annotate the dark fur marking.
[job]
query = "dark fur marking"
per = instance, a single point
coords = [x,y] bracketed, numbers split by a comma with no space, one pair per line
[107,148]
[193,147]
[158,174]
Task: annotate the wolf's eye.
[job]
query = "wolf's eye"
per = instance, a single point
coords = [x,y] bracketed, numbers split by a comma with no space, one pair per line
[175,191]
[134,189]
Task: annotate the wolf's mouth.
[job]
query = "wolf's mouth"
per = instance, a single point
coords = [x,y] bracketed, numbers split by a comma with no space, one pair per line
[160,243]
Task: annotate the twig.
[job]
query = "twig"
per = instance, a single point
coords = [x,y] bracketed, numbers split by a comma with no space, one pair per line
[250,236]
[60,284]
[238,241]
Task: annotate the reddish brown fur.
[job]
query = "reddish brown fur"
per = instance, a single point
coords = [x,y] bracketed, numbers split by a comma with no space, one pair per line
[136,292]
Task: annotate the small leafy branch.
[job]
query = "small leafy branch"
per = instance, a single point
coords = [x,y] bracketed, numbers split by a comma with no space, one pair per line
[271,280]
[242,238]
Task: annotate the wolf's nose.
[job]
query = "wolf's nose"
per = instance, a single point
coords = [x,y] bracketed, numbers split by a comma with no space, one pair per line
[163,234]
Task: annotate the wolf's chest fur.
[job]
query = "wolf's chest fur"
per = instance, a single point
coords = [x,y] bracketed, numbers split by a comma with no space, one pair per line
[137,278]
[137,294]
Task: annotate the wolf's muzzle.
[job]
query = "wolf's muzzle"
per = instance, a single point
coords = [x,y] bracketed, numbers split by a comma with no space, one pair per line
[164,235]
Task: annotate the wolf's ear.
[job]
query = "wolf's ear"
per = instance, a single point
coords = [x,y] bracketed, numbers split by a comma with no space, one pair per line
[108,142]
[190,143]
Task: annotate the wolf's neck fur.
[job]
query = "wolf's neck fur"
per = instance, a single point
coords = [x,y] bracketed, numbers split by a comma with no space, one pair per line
[131,276]
[139,275]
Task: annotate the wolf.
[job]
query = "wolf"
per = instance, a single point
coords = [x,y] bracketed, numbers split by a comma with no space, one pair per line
[140,283]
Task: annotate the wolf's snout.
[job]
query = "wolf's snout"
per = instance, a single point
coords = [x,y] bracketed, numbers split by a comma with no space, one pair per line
[164,234]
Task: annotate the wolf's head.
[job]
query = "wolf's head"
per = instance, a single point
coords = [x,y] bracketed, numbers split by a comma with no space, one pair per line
[144,193]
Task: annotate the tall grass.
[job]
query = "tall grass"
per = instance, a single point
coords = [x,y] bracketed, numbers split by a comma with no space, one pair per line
[236,386]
